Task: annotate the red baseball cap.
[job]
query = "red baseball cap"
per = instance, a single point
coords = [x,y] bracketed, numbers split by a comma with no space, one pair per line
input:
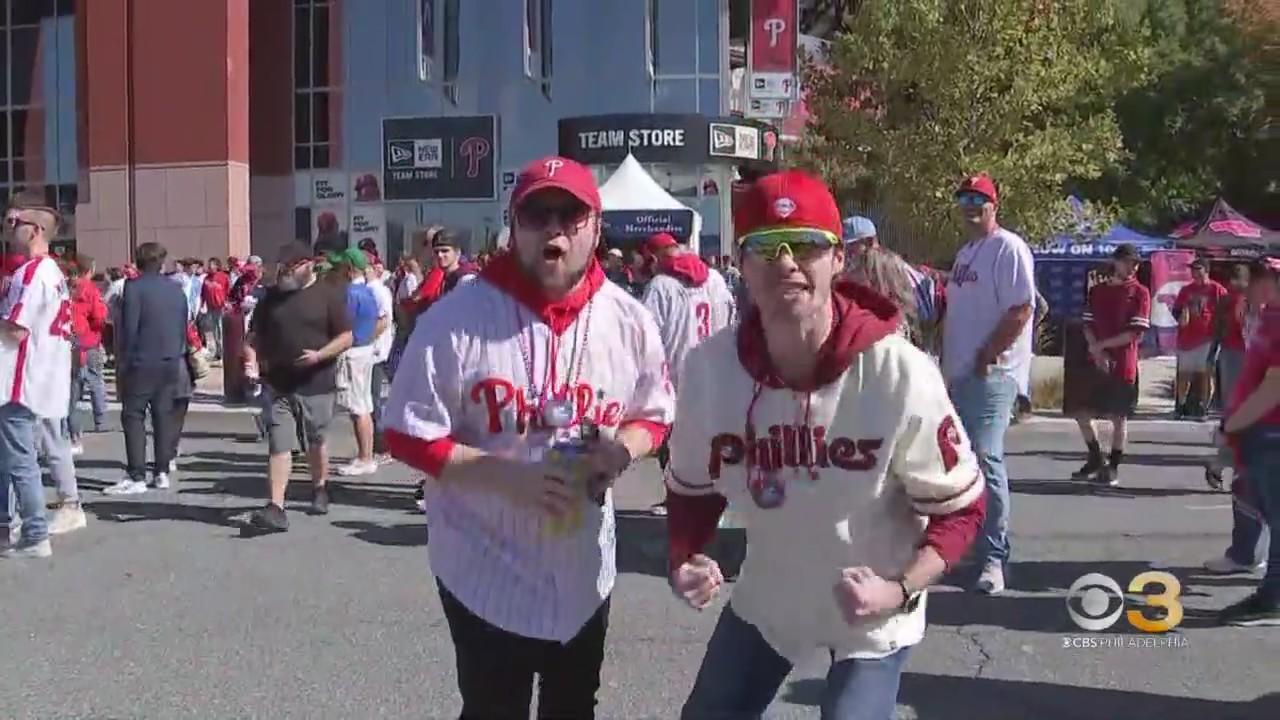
[660,241]
[789,199]
[558,173]
[981,184]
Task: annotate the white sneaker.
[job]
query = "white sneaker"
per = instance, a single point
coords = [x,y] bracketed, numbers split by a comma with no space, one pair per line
[11,538]
[1226,566]
[422,506]
[358,467]
[66,519]
[19,551]
[173,466]
[126,486]
[991,581]
[161,481]
[77,449]
[383,459]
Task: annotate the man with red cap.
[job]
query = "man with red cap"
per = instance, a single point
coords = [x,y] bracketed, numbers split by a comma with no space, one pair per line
[986,353]
[528,392]
[834,436]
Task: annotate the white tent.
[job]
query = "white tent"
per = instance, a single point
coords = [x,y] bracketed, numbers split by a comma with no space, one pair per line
[632,188]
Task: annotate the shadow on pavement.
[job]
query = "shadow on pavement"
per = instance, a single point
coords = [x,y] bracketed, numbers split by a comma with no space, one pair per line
[1162,460]
[946,697]
[123,511]
[1056,486]
[402,535]
[642,545]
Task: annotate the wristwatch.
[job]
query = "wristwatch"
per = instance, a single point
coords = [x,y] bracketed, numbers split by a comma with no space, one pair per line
[910,598]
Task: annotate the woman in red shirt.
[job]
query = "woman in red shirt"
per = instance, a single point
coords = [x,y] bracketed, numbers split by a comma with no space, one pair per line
[1252,426]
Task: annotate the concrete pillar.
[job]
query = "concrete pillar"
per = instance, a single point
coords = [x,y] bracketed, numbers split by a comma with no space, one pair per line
[166,100]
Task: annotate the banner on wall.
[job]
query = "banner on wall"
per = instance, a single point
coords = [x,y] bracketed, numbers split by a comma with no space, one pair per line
[439,158]
[1169,272]
[329,196]
[772,52]
[368,215]
[508,183]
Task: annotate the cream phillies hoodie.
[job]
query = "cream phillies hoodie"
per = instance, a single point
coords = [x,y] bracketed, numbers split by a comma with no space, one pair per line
[862,466]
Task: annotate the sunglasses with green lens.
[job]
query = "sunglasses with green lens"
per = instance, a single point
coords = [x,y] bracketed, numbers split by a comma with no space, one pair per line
[798,242]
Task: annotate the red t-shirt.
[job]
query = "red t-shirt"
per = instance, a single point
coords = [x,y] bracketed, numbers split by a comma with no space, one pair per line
[1233,324]
[1120,308]
[1262,354]
[1200,300]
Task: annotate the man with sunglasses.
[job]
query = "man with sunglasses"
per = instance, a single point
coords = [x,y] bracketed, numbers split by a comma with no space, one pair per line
[35,374]
[986,348]
[835,437]
[296,334]
[523,396]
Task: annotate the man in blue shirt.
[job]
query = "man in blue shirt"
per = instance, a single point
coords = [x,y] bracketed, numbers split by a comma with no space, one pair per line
[355,366]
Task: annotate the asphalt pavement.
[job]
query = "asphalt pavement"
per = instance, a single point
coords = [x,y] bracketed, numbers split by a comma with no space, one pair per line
[161,609]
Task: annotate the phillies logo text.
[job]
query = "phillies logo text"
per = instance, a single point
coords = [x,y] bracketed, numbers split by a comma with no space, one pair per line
[793,446]
[503,401]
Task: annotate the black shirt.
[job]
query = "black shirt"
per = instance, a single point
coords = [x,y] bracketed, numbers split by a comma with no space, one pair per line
[287,323]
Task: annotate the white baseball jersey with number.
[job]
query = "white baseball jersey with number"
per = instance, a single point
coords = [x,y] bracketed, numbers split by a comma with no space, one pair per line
[469,372]
[687,315]
[36,371]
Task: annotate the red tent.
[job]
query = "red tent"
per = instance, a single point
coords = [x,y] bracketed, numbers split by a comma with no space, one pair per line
[1224,228]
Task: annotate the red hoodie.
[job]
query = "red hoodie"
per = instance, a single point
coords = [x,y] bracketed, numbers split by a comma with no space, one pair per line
[88,315]
[860,318]
[435,285]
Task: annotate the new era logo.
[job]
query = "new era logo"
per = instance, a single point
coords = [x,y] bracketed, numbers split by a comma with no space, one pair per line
[722,138]
[400,153]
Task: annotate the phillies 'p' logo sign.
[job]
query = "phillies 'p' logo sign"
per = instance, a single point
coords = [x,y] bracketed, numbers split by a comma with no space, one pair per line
[552,166]
[949,443]
[474,149]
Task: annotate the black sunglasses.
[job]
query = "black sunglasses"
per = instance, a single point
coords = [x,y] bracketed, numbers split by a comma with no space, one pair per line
[540,214]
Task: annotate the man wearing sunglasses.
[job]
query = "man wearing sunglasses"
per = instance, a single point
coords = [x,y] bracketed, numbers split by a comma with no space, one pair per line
[986,349]
[35,374]
[296,334]
[835,437]
[523,396]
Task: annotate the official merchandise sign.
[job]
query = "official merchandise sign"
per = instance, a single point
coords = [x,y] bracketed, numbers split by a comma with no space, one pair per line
[772,50]
[439,158]
[639,224]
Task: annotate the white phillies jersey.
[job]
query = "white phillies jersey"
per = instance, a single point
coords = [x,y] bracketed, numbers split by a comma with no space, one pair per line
[36,372]
[687,315]
[466,374]
[885,449]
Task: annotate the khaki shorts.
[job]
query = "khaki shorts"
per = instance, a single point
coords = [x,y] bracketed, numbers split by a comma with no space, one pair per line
[355,381]
[1195,360]
[298,421]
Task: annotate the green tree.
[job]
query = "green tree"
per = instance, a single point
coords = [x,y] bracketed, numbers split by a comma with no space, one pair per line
[917,94]
[1196,128]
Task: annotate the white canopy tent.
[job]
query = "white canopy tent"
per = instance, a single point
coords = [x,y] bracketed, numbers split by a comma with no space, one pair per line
[632,189]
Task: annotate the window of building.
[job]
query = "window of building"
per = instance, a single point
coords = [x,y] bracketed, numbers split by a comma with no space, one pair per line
[452,49]
[29,39]
[313,85]
[538,42]
[684,55]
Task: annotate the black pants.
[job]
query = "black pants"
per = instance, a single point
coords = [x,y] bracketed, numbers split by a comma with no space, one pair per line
[496,668]
[177,420]
[148,388]
[378,381]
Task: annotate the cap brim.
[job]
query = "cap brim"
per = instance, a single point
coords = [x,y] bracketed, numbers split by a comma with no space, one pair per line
[542,184]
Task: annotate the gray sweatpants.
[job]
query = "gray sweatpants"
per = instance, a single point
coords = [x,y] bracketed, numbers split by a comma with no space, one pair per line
[54,445]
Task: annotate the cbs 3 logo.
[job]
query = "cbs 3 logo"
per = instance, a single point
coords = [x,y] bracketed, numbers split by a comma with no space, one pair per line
[1091,596]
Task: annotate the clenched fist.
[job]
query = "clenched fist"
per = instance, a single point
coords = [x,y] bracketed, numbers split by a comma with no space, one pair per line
[697,581]
[861,592]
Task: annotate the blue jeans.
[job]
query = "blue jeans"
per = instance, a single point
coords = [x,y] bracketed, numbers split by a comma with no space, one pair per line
[89,377]
[20,472]
[985,404]
[1262,468]
[1249,537]
[741,674]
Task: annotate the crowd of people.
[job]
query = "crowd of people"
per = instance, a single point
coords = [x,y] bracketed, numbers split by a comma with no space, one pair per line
[839,397]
